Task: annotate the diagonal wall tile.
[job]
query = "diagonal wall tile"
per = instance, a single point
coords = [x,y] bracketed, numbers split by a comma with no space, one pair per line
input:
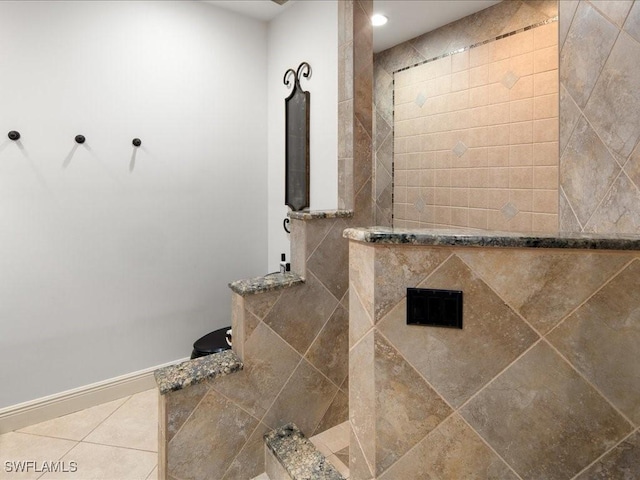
[451,451]
[249,463]
[316,230]
[303,400]
[396,269]
[526,15]
[543,418]
[568,220]
[619,210]
[622,462]
[615,101]
[337,413]
[226,428]
[329,352]
[615,11]
[632,167]
[569,116]
[603,335]
[362,398]
[396,404]
[298,320]
[268,364]
[580,67]
[330,261]
[566,10]
[542,287]
[180,404]
[632,25]
[443,354]
[259,305]
[358,466]
[587,170]
[361,275]
[359,320]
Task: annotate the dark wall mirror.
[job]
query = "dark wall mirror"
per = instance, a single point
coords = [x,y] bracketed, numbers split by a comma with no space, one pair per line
[297,140]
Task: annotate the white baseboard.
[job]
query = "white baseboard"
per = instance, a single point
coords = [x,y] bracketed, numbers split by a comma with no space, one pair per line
[63,403]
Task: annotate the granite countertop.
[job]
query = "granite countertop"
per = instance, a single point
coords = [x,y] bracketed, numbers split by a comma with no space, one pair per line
[310,215]
[476,238]
[177,377]
[299,456]
[272,281]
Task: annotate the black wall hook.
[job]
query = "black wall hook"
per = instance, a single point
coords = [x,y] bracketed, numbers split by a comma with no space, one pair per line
[13,135]
[80,139]
[137,142]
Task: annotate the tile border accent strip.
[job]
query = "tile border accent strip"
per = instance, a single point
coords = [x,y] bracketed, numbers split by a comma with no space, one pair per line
[479,44]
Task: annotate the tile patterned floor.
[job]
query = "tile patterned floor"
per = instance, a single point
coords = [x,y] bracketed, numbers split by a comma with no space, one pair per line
[113,441]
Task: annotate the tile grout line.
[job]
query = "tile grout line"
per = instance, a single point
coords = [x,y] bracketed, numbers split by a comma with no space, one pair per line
[166,440]
[499,374]
[245,443]
[594,387]
[454,410]
[371,324]
[489,446]
[106,418]
[507,303]
[359,445]
[117,446]
[308,257]
[261,319]
[561,191]
[593,294]
[585,469]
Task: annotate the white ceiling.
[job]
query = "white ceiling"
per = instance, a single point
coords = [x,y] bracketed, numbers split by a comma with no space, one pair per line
[407,18]
[410,18]
[264,10]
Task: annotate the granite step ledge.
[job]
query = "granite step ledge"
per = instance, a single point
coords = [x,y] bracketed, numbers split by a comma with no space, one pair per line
[271,281]
[191,372]
[290,453]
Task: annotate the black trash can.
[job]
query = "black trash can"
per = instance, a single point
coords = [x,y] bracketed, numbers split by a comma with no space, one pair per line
[214,342]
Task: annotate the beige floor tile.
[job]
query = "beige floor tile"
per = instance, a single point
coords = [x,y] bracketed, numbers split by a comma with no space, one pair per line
[153,475]
[340,467]
[102,462]
[22,447]
[320,446]
[75,426]
[133,425]
[335,438]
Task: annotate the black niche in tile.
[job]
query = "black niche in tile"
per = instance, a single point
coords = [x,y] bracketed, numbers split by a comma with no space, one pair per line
[434,308]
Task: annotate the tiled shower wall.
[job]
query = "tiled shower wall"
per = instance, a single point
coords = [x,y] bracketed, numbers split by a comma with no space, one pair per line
[600,116]
[505,17]
[476,137]
[599,41]
[541,383]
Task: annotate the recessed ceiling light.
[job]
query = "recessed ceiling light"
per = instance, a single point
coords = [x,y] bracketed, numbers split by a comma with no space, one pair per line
[378,20]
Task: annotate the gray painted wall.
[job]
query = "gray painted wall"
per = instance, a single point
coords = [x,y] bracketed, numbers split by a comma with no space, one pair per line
[112,262]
